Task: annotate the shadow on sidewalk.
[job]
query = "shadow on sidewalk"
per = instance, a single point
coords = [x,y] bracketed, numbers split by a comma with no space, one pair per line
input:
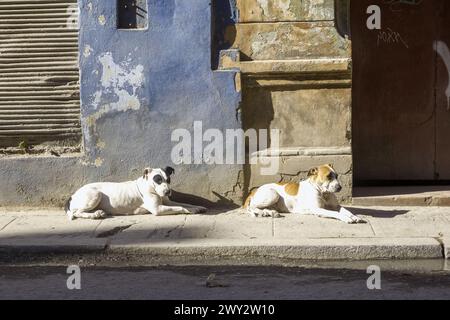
[221,203]
[376,213]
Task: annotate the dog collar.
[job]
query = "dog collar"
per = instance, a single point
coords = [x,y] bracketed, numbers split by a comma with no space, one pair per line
[139,190]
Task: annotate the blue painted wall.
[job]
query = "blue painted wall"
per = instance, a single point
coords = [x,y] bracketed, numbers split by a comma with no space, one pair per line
[136,87]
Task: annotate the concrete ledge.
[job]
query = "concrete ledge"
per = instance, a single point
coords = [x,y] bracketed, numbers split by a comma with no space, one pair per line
[56,246]
[303,151]
[299,66]
[438,196]
[211,250]
[305,249]
[402,201]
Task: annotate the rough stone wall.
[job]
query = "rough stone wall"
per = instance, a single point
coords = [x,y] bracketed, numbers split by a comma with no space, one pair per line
[136,87]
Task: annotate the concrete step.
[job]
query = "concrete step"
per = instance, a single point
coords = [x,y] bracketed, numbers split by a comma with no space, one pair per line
[438,196]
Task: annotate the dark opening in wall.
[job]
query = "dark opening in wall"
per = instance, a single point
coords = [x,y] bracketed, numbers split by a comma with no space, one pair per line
[342,16]
[132,14]
[224,16]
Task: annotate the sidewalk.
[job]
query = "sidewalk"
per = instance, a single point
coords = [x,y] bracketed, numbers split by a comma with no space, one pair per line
[391,233]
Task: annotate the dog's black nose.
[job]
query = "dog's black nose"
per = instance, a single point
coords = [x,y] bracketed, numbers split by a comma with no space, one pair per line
[168,193]
[339,188]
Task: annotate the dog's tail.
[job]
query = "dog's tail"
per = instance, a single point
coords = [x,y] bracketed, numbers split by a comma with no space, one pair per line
[67,208]
[249,198]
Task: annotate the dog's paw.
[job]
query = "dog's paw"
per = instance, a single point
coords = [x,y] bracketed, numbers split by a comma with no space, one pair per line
[357,219]
[270,214]
[70,215]
[346,219]
[354,219]
[253,214]
[277,215]
[194,210]
[99,214]
[350,217]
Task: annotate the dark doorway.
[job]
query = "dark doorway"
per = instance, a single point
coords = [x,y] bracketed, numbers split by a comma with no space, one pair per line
[401,108]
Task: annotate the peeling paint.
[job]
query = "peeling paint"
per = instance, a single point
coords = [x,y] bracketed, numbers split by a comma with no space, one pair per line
[238,82]
[263,40]
[98,162]
[101,144]
[285,10]
[226,62]
[87,51]
[118,83]
[118,75]
[102,20]
[119,80]
[264,4]
[315,8]
[285,6]
[97,98]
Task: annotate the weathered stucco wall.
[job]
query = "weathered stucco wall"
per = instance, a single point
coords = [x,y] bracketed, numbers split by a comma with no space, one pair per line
[286,29]
[289,40]
[299,113]
[136,87]
[285,10]
[296,77]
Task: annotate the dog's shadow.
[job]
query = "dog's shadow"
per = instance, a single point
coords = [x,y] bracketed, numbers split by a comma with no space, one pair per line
[376,213]
[221,205]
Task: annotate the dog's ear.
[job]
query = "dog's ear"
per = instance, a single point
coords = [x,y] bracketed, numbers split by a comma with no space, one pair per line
[146,173]
[169,171]
[313,172]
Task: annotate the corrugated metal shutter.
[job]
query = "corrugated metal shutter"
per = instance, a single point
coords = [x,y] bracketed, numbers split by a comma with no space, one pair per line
[39,74]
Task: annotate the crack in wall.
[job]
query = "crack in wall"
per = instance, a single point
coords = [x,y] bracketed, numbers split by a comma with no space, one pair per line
[237,186]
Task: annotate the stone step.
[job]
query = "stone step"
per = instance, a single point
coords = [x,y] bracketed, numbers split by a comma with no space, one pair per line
[438,196]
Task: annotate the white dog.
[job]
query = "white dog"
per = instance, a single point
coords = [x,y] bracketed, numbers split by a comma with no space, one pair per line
[315,195]
[148,194]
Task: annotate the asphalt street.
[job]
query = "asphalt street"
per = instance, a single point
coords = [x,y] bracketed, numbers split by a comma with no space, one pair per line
[219,282]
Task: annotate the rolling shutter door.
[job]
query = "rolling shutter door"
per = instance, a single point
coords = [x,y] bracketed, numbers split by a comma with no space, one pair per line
[39,74]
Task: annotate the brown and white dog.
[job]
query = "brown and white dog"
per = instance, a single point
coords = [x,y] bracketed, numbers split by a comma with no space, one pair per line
[148,194]
[315,195]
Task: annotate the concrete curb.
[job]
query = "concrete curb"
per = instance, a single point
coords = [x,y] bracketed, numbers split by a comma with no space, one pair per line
[213,249]
[304,249]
